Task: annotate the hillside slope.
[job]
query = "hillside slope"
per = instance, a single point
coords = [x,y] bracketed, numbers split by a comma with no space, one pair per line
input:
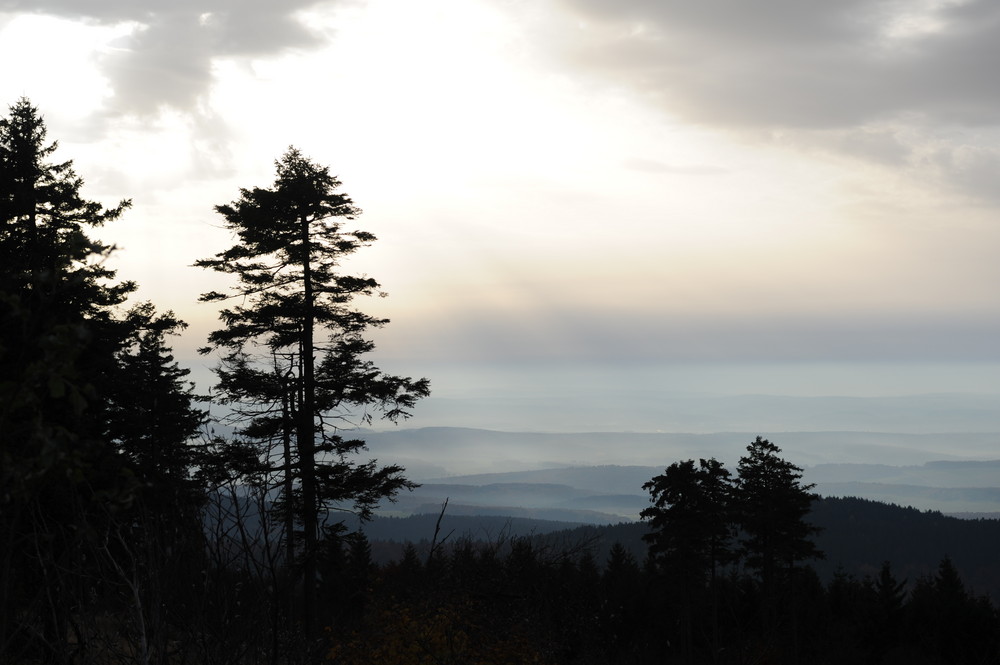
[857,536]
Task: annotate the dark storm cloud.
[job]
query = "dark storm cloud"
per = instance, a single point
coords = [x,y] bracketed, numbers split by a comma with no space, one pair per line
[168,61]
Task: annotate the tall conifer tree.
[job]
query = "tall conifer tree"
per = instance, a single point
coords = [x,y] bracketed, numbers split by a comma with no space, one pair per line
[152,417]
[773,506]
[59,474]
[690,519]
[57,331]
[92,407]
[294,347]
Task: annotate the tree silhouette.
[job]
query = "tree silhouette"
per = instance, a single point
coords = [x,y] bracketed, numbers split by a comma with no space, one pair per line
[153,422]
[60,474]
[97,503]
[690,519]
[290,242]
[772,506]
[151,415]
[884,620]
[57,333]
[691,524]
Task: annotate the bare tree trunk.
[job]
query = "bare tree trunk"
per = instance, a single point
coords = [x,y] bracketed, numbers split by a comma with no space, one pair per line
[306,444]
[289,479]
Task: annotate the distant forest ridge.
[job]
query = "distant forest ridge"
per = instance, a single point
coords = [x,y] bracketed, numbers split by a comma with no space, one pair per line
[857,536]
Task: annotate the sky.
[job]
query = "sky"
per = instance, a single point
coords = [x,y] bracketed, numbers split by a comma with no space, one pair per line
[578,202]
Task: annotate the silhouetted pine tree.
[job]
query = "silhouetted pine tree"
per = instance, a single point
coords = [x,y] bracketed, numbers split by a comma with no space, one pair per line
[691,519]
[691,528]
[93,417]
[59,473]
[772,507]
[947,624]
[290,240]
[152,417]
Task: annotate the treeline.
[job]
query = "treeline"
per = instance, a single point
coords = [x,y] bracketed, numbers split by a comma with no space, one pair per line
[855,535]
[726,578]
[514,600]
[129,532]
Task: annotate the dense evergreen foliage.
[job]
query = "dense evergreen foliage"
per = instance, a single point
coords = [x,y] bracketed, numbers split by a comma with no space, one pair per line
[519,600]
[94,417]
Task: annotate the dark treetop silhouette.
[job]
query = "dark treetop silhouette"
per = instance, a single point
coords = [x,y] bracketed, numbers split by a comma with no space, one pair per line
[294,347]
[94,414]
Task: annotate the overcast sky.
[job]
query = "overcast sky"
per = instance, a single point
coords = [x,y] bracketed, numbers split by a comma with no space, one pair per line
[634,185]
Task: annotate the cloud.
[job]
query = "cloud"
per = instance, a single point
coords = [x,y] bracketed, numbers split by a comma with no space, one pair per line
[881,145]
[798,64]
[167,60]
[974,167]
[887,80]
